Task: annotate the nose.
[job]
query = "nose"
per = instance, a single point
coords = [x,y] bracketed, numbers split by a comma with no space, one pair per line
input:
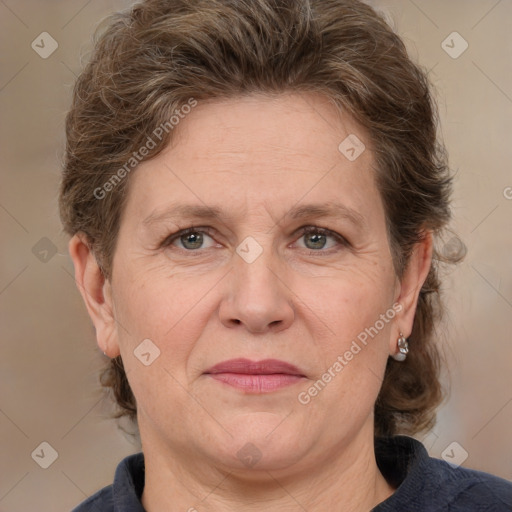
[257,296]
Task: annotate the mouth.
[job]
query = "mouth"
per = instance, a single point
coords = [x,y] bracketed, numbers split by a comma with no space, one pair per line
[262,376]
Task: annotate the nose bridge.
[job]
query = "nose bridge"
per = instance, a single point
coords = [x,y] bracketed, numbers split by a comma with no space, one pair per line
[257,297]
[255,264]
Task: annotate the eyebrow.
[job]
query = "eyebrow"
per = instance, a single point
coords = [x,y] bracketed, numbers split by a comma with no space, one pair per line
[200,212]
[185,211]
[329,209]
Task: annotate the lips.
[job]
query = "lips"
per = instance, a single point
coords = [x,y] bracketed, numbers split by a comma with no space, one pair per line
[248,367]
[256,377]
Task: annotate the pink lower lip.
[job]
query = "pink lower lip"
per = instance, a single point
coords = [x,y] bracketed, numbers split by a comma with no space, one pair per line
[257,383]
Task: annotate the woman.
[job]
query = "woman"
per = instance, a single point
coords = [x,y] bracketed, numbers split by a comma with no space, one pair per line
[253,189]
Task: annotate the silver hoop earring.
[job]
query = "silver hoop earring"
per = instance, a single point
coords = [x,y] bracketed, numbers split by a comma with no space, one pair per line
[403,349]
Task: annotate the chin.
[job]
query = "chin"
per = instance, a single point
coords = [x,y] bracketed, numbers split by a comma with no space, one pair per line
[262,441]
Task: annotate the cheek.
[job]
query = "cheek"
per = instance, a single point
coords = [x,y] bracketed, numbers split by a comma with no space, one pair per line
[347,302]
[354,352]
[169,312]
[162,308]
[353,314]
[156,298]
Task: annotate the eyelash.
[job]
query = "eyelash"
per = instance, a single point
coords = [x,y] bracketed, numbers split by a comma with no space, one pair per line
[168,240]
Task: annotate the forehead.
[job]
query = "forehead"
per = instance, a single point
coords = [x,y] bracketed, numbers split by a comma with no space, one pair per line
[271,152]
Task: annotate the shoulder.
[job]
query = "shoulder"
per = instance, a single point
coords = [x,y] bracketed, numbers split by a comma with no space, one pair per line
[101,501]
[425,483]
[471,490]
[125,492]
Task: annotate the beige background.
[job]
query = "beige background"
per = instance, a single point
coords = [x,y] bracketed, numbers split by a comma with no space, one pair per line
[49,360]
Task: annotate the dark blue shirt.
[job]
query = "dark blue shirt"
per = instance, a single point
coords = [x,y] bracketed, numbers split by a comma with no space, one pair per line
[422,484]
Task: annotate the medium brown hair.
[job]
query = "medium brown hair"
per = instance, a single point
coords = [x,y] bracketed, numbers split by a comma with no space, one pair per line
[152,59]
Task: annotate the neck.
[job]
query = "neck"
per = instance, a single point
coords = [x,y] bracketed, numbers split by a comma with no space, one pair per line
[347,480]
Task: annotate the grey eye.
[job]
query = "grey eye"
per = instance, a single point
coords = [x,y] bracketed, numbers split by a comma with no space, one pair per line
[318,240]
[192,240]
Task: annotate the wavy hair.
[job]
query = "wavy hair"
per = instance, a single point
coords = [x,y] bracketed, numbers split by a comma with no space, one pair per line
[149,60]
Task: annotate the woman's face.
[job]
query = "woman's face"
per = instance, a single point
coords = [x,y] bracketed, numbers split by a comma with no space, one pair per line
[250,283]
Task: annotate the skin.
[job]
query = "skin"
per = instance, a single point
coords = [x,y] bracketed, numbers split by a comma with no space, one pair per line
[303,300]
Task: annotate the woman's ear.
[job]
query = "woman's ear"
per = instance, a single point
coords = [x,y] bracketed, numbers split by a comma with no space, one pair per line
[96,292]
[410,285]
